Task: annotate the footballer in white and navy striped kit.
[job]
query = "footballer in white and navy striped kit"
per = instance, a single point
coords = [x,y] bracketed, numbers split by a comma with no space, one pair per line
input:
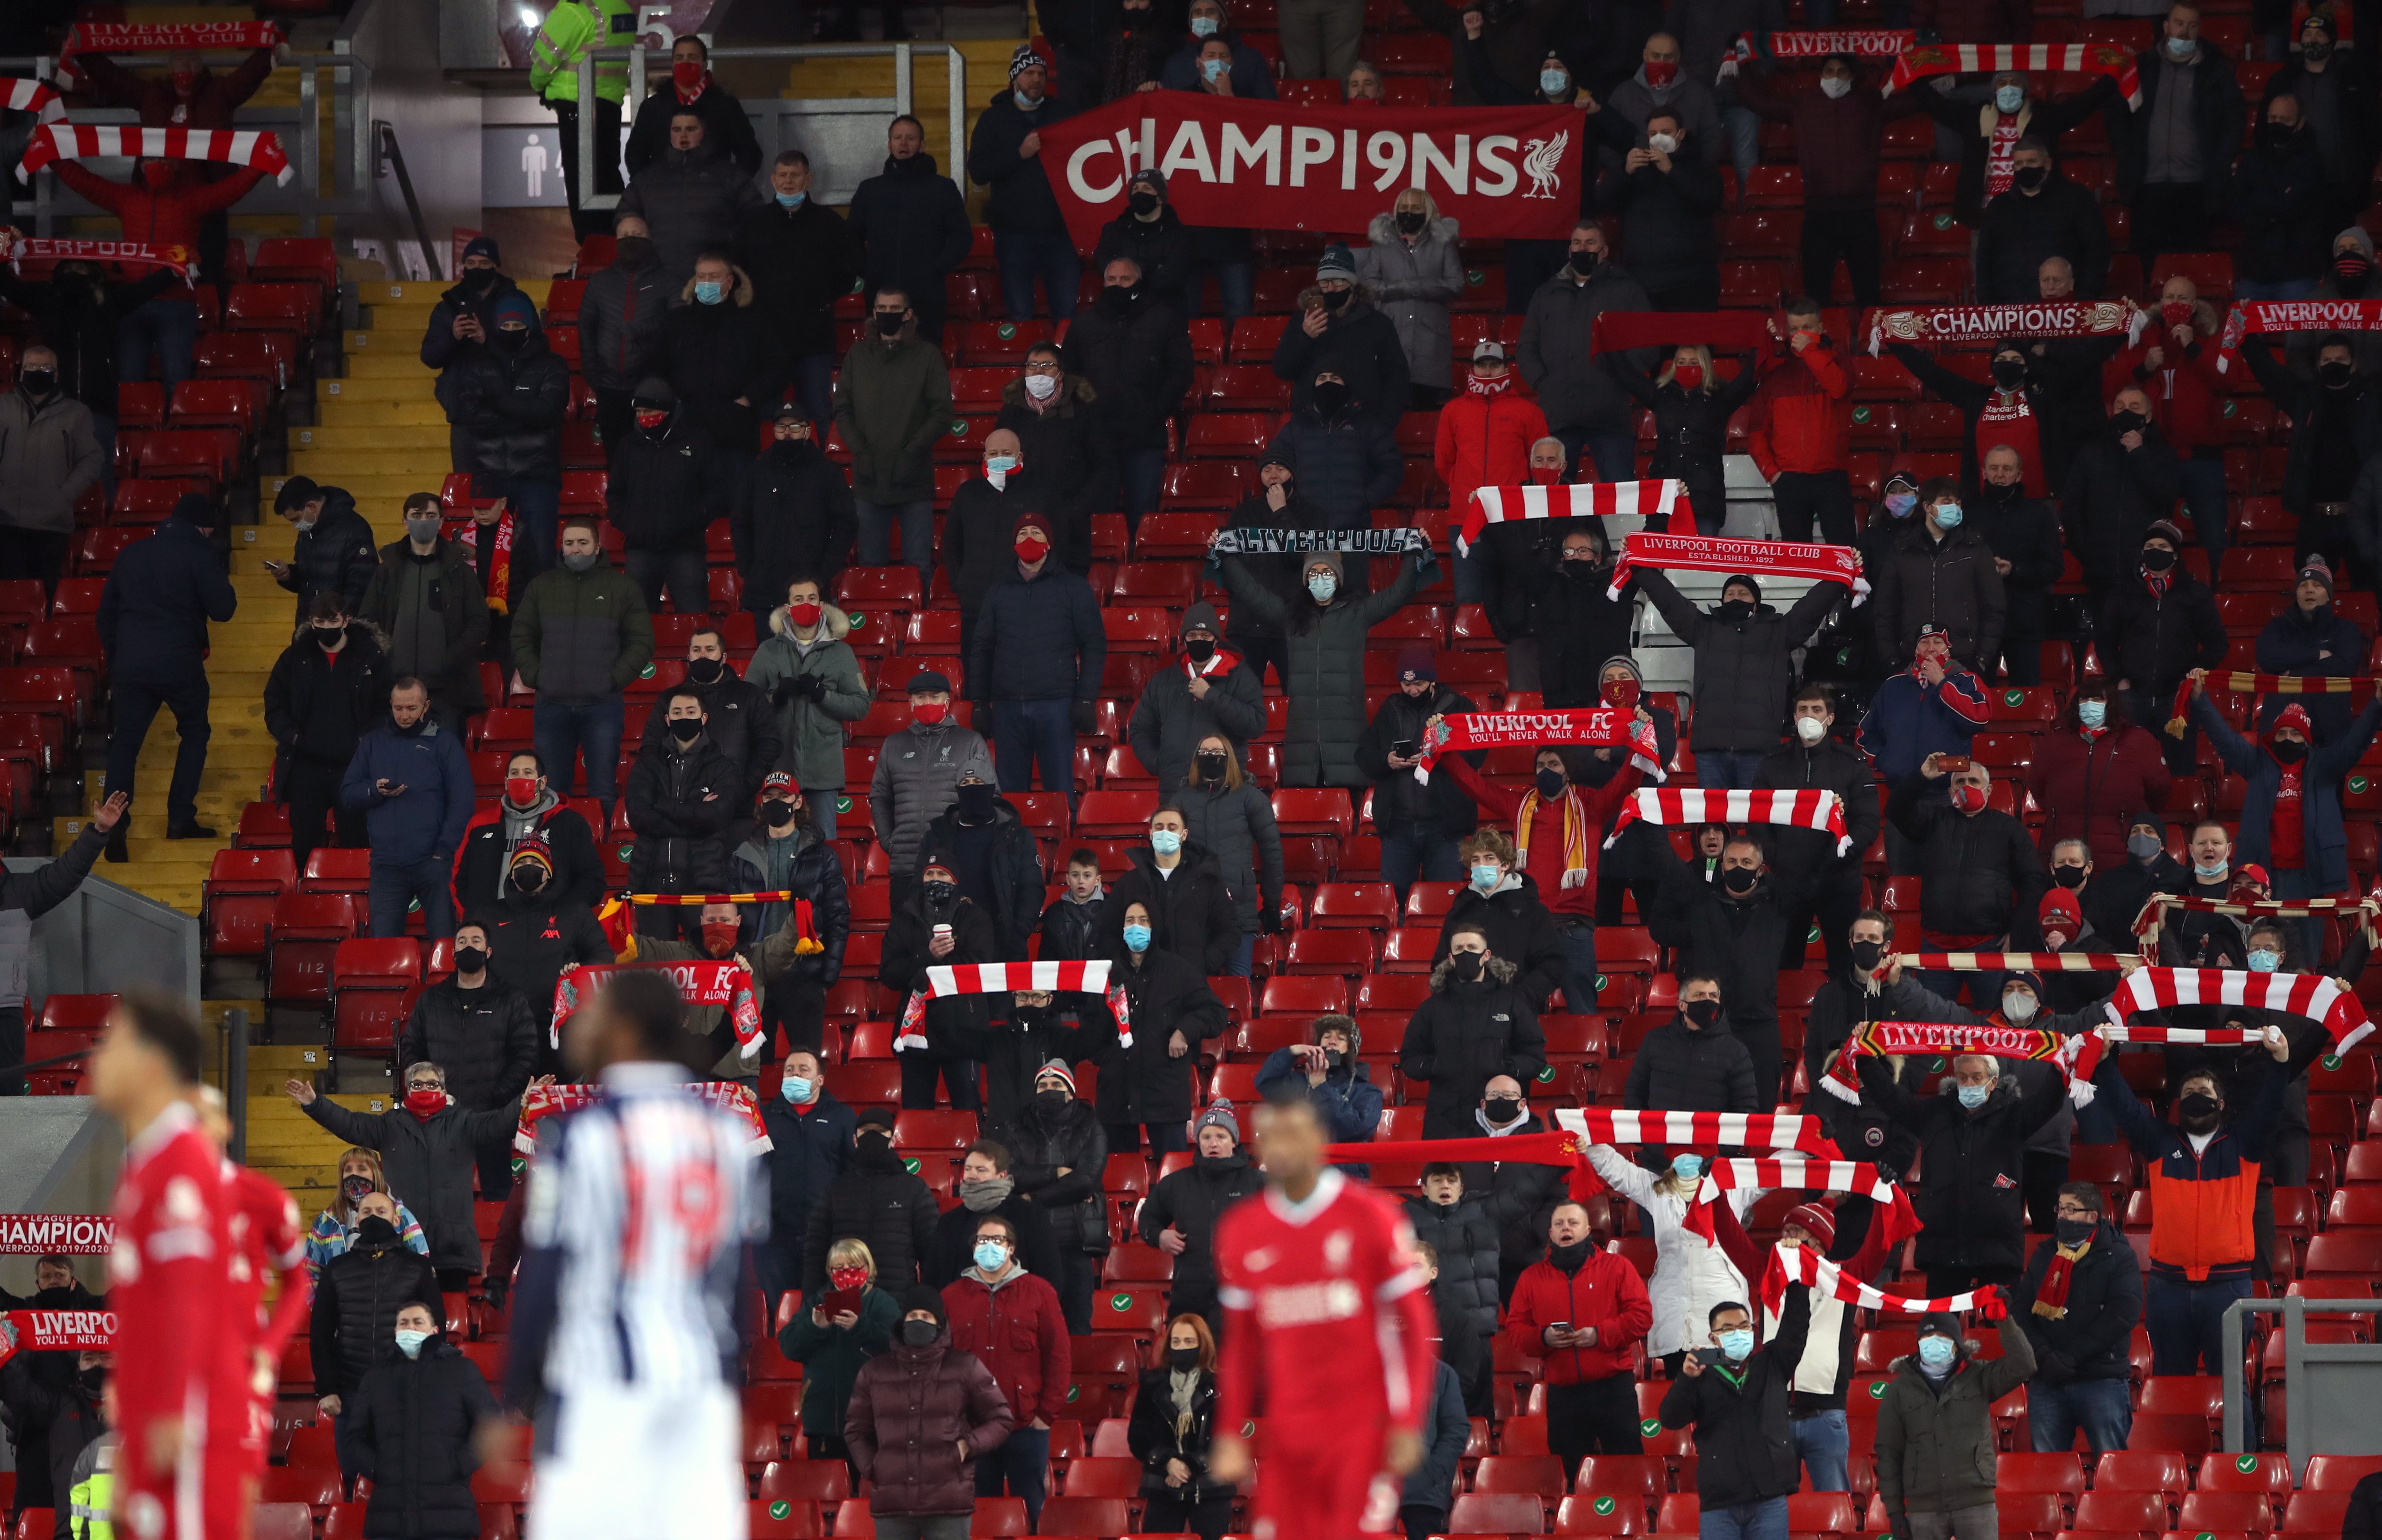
[637,1214]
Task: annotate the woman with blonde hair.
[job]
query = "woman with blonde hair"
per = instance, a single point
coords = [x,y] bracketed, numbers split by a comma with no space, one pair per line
[1691,407]
[1174,1421]
[335,1227]
[1415,272]
[1232,817]
[1692,1275]
[842,1328]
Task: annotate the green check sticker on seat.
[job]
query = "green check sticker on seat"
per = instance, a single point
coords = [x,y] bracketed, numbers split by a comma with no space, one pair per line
[1650,1426]
[780,1509]
[2245,1463]
[910,1164]
[1605,1505]
[1120,1301]
[2013,697]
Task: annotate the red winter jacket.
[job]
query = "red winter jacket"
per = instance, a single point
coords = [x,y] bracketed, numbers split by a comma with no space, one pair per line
[1801,411]
[167,218]
[1605,1293]
[1019,1333]
[1485,441]
[2092,792]
[910,1409]
[2185,391]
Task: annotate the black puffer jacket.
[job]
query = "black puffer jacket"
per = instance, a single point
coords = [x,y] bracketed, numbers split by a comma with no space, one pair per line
[653,495]
[1979,875]
[302,679]
[1153,1438]
[1738,941]
[1191,914]
[1464,1235]
[809,1149]
[807,866]
[1800,858]
[1745,665]
[979,549]
[411,1430]
[1522,1198]
[1521,929]
[1345,467]
[354,1326]
[1465,1035]
[2104,1300]
[440,346]
[1327,668]
[1950,583]
[714,355]
[913,228]
[2154,640]
[1579,628]
[621,322]
[1681,1067]
[1970,1195]
[1164,996]
[1040,1140]
[725,130]
[876,1200]
[1237,825]
[679,806]
[1400,801]
[738,721]
[1139,360]
[1359,344]
[1015,901]
[2110,498]
[1161,247]
[1189,1202]
[512,407]
[1069,441]
[1690,431]
[691,199]
[955,1025]
[791,518]
[1668,235]
[485,1039]
[335,557]
[802,261]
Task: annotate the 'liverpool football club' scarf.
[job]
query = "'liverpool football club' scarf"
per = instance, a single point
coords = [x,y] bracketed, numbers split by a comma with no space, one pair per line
[1258,541]
[54,1331]
[1599,727]
[727,984]
[2293,315]
[84,142]
[1002,978]
[1877,1039]
[1860,42]
[1757,558]
[1807,809]
[176,37]
[544,1101]
[500,565]
[1930,324]
[2358,688]
[1499,505]
[1982,58]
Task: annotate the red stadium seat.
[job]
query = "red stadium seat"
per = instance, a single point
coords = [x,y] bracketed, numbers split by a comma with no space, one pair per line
[2121,1510]
[1493,1513]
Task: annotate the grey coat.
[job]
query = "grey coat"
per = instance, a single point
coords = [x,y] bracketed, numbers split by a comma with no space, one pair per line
[1743,669]
[1936,1443]
[917,777]
[1575,388]
[1414,286]
[1327,669]
[811,730]
[892,400]
[1238,825]
[49,455]
[1168,724]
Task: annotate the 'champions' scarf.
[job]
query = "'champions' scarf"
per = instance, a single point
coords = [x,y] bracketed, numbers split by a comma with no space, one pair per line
[500,560]
[1600,726]
[1793,1265]
[1993,58]
[1931,324]
[2359,688]
[1499,505]
[33,96]
[1001,978]
[1759,558]
[544,1101]
[2293,315]
[56,1331]
[727,984]
[123,37]
[2319,999]
[1808,809]
[84,141]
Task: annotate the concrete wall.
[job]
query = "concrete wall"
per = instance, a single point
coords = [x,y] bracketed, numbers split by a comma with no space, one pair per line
[437,123]
[59,1154]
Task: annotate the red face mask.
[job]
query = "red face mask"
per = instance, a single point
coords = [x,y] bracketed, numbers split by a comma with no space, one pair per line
[1968,798]
[1031,550]
[1662,72]
[425,1105]
[1690,376]
[1545,475]
[1621,695]
[651,419]
[720,936]
[521,790]
[804,615]
[2174,312]
[930,712]
[687,75]
[847,1277]
[157,175]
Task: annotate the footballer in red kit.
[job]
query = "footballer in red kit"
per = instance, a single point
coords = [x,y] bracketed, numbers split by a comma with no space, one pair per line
[1320,1270]
[268,1244]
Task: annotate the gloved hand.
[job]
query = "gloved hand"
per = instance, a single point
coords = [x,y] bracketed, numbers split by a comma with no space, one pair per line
[495,1290]
[786,690]
[1270,918]
[1084,717]
[1993,1303]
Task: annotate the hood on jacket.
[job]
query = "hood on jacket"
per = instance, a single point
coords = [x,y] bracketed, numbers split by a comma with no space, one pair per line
[1498,970]
[1073,388]
[837,624]
[740,294]
[1385,231]
[359,630]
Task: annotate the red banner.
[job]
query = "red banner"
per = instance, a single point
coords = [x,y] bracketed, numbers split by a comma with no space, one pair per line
[56,1234]
[1512,172]
[55,1331]
[2293,315]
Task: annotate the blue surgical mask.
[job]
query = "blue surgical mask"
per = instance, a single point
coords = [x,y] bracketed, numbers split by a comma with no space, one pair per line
[1554,82]
[2009,98]
[409,1342]
[2180,48]
[1899,504]
[1737,1344]
[1322,585]
[1937,1352]
[1947,516]
[1973,1096]
[1002,463]
[1026,103]
[2092,714]
[1486,876]
[795,1089]
[2208,873]
[1137,938]
[1166,842]
[2264,960]
[1688,1168]
[991,1255]
[1203,26]
[1212,68]
[793,199]
[708,292]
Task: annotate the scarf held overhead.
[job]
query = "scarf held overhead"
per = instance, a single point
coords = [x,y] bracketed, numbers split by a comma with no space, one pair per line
[18,95]
[727,985]
[1499,505]
[119,37]
[544,1101]
[947,980]
[1883,1039]
[2319,999]
[182,258]
[1259,542]
[2035,318]
[1762,559]
[56,1331]
[56,1234]
[2359,688]
[2146,923]
[1811,809]
[1793,1265]
[2084,1054]
[1759,1131]
[84,141]
[1860,42]
[1857,1178]
[2293,315]
[1598,726]
[1981,59]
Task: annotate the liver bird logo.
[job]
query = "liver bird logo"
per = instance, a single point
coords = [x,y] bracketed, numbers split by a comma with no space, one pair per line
[1542,159]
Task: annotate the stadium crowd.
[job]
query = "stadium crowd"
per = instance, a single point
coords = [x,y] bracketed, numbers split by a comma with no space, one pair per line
[2024,714]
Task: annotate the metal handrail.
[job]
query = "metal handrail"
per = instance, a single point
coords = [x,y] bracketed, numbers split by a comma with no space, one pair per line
[904,56]
[2294,1312]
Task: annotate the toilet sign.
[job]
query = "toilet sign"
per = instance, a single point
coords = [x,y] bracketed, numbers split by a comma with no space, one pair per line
[520,166]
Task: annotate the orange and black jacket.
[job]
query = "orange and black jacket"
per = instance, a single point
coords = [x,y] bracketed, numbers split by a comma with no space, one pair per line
[2201,1204]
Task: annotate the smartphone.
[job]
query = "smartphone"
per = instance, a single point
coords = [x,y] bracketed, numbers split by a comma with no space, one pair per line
[1952,765]
[1708,1357]
[1403,747]
[1558,1325]
[835,1301]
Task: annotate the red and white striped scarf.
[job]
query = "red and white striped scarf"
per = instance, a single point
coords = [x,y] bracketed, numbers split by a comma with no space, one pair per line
[84,141]
[1762,559]
[544,1101]
[1992,58]
[2293,315]
[2086,1055]
[1000,978]
[1858,1178]
[2146,923]
[1879,1039]
[173,37]
[2318,998]
[1807,809]
[18,95]
[2016,962]
[1793,1265]
[1601,726]
[1501,505]
[1756,1130]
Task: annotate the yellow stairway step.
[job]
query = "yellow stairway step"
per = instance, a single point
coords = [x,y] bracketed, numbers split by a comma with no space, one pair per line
[396,358]
[408,437]
[388,385]
[427,467]
[407,410]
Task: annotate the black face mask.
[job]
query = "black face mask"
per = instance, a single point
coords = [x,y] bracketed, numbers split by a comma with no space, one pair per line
[888,325]
[1867,953]
[976,802]
[1337,299]
[1211,766]
[686,729]
[505,341]
[529,879]
[1739,879]
[376,1232]
[705,670]
[1331,397]
[1143,203]
[1571,1258]
[2029,177]
[2336,373]
[2289,753]
[2157,558]
[2124,423]
[479,280]
[471,960]
[329,636]
[2199,1111]
[2007,372]
[2074,1232]
[1703,1013]
[1411,224]
[632,252]
[93,1379]
[776,813]
[1551,783]
[2070,877]
[1502,1110]
[1466,965]
[1583,263]
[1116,300]
[2010,494]
[1735,612]
[1183,1359]
[939,893]
[39,382]
[920,1334]
[1199,650]
[2276,138]
[1053,1099]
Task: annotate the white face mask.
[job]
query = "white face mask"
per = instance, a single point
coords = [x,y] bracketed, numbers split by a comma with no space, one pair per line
[2020,1007]
[1833,86]
[1661,144]
[1041,386]
[1811,730]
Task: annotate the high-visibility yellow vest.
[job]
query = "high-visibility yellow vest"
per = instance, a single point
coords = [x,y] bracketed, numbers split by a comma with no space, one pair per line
[95,1497]
[570,29]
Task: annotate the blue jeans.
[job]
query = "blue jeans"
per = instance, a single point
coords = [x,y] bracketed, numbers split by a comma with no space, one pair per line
[1728,770]
[396,886]
[1243,956]
[917,521]
[1029,732]
[1822,1441]
[814,387]
[165,329]
[1237,285]
[1471,575]
[1025,256]
[685,573]
[1021,1468]
[1615,454]
[2273,288]
[1579,967]
[2186,1321]
[538,507]
[2100,1407]
[1141,481]
[1761,1521]
[561,730]
[822,806]
[1419,852]
[2203,495]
